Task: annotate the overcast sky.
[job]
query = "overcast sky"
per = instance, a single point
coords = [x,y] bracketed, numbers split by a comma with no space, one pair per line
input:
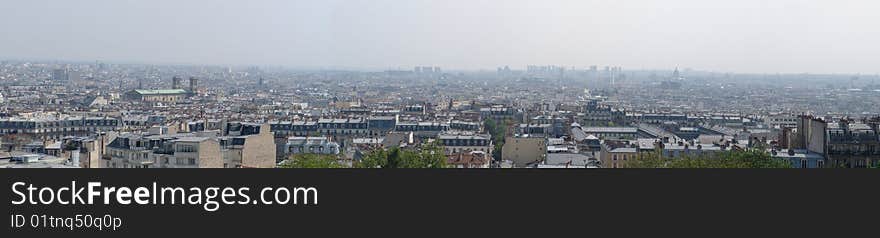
[757,36]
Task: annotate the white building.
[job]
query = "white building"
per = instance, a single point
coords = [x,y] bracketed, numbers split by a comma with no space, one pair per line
[311,145]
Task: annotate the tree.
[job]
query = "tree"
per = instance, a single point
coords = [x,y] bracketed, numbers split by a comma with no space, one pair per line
[498,133]
[428,156]
[311,161]
[723,160]
[71,146]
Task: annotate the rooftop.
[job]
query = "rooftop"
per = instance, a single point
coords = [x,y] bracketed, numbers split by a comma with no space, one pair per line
[160,91]
[590,130]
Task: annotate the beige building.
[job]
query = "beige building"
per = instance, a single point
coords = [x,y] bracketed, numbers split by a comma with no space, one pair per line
[91,150]
[192,152]
[165,151]
[524,151]
[616,154]
[249,151]
[244,145]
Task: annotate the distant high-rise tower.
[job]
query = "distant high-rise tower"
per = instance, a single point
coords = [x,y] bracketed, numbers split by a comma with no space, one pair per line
[193,84]
[175,82]
[261,81]
[73,75]
[65,74]
[59,74]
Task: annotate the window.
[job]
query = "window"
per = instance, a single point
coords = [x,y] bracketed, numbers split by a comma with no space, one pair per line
[820,164]
[804,164]
[614,157]
[192,161]
[186,148]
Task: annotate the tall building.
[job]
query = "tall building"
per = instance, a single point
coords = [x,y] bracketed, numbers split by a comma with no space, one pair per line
[193,84]
[60,74]
[175,82]
[676,75]
[73,75]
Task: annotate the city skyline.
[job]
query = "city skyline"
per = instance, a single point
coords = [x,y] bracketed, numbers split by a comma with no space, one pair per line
[132,116]
[740,37]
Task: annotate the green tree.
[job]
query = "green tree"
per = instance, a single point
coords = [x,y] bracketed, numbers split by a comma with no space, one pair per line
[723,160]
[71,146]
[428,156]
[311,161]
[498,131]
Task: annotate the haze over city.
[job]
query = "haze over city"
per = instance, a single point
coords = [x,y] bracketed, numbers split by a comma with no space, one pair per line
[748,36]
[440,84]
[430,110]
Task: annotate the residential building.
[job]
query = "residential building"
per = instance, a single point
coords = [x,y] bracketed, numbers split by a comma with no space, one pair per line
[465,142]
[524,150]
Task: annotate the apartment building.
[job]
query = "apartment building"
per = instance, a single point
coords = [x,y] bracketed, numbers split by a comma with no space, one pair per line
[311,145]
[240,145]
[57,127]
[524,150]
[465,142]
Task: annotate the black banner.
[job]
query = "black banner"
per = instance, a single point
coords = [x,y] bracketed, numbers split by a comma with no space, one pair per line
[451,202]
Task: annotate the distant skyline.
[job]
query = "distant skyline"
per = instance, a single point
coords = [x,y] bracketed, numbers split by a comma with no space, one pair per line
[744,36]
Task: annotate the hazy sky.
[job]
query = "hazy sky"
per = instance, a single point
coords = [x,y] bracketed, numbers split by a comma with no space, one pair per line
[818,36]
